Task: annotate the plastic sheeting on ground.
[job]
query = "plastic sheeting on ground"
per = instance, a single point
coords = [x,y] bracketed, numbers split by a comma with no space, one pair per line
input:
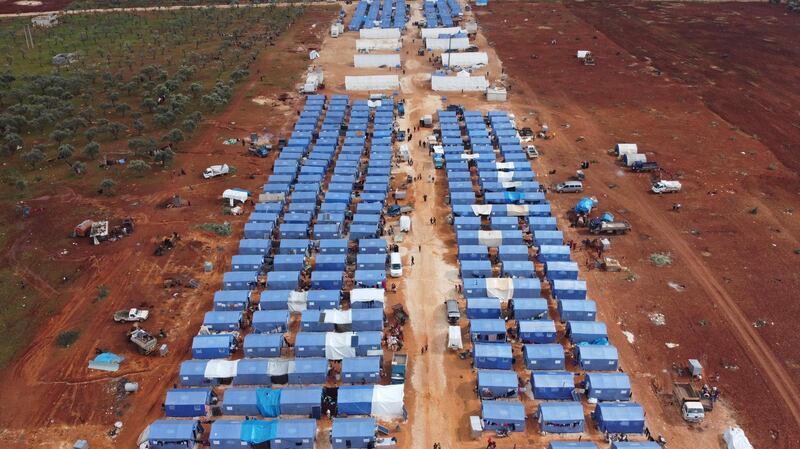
[337,345]
[454,337]
[387,401]
[297,301]
[257,432]
[268,402]
[490,238]
[367,294]
[736,439]
[517,210]
[482,209]
[106,361]
[335,316]
[500,288]
[220,369]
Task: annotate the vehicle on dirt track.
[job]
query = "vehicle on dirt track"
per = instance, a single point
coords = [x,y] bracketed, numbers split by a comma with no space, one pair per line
[569,187]
[144,341]
[131,315]
[531,152]
[666,187]
[609,227]
[644,166]
[216,170]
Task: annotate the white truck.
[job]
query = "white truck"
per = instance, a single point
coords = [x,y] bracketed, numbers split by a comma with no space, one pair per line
[131,315]
[666,187]
[216,170]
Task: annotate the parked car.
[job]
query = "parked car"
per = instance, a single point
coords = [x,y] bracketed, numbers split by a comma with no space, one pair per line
[569,187]
[131,315]
[666,187]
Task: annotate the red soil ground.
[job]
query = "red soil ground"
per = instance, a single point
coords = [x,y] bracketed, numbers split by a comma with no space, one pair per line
[54,397]
[709,91]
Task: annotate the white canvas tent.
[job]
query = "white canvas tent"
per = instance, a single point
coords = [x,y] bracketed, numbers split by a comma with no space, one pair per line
[372,82]
[314,79]
[465,59]
[736,439]
[337,345]
[234,195]
[582,54]
[462,81]
[436,32]
[387,401]
[379,33]
[454,338]
[378,44]
[500,288]
[367,295]
[373,60]
[456,43]
[626,148]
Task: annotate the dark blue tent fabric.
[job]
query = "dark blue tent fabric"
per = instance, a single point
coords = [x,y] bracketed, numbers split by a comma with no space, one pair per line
[257,432]
[268,402]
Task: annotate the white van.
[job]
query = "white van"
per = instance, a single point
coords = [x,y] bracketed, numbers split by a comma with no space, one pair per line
[395,265]
[569,187]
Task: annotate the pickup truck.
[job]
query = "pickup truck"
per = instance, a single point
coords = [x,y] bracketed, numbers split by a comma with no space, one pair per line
[399,368]
[144,341]
[688,399]
[609,227]
[131,315]
[216,170]
[640,166]
[531,152]
[666,187]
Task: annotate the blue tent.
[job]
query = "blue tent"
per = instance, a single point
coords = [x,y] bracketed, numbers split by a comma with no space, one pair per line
[553,385]
[294,434]
[247,263]
[548,253]
[569,289]
[543,357]
[255,246]
[518,269]
[608,386]
[258,230]
[577,310]
[592,332]
[529,308]
[367,341]
[500,414]
[483,308]
[488,330]
[323,299]
[333,246]
[497,383]
[240,402]
[327,230]
[310,344]
[226,321]
[354,400]
[263,345]
[239,280]
[187,402]
[370,278]
[561,270]
[635,445]
[548,238]
[536,331]
[311,320]
[372,246]
[283,280]
[309,370]
[371,261]
[288,262]
[269,321]
[330,262]
[272,207]
[253,372]
[274,300]
[476,269]
[561,417]
[301,401]
[327,280]
[492,355]
[504,223]
[213,346]
[360,370]
[192,374]
[367,319]
[294,246]
[231,299]
[619,417]
[542,223]
[174,434]
[295,218]
[467,223]
[473,252]
[597,357]
[353,433]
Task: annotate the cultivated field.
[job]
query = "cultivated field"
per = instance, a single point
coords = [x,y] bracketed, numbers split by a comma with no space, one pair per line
[706,90]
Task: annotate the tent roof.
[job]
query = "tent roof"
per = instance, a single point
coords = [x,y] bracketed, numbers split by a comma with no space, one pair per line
[226,430]
[296,428]
[620,411]
[553,379]
[544,350]
[361,364]
[536,325]
[497,378]
[353,427]
[355,394]
[188,396]
[609,380]
[597,352]
[572,445]
[172,430]
[561,411]
[499,410]
[304,395]
[493,350]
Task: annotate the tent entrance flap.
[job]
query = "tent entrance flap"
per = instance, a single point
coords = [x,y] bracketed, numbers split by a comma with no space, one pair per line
[500,288]
[297,301]
[257,432]
[268,402]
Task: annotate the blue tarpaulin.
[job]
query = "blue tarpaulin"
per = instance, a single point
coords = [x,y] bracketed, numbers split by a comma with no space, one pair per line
[585,205]
[268,402]
[257,432]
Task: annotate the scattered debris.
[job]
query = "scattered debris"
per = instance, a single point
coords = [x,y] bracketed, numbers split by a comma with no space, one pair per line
[631,277]
[758,324]
[106,361]
[728,365]
[661,259]
[629,336]
[754,211]
[657,318]
[675,286]
[703,323]
[222,230]
[671,345]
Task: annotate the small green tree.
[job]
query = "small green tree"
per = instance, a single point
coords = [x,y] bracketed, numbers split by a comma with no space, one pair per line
[113,97]
[91,133]
[138,125]
[12,142]
[33,157]
[149,104]
[65,151]
[79,168]
[174,136]
[91,150]
[115,129]
[60,135]
[189,125]
[164,156]
[195,89]
[138,167]
[122,109]
[108,187]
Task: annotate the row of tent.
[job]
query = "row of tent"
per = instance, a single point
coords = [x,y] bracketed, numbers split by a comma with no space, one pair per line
[293,194]
[441,12]
[379,14]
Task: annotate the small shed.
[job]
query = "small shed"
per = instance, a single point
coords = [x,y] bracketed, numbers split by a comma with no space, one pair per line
[561,417]
[503,414]
[239,280]
[353,433]
[485,308]
[361,370]
[528,308]
[487,330]
[543,356]
[608,386]
[597,357]
[270,321]
[592,332]
[557,385]
[213,346]
[494,384]
[536,331]
[492,355]
[569,289]
[231,300]
[188,402]
[226,321]
[174,434]
[192,374]
[577,310]
[619,417]
[309,371]
[353,400]
[263,345]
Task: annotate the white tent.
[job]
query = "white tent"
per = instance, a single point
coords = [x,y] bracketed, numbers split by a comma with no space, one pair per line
[372,82]
[373,60]
[221,369]
[500,288]
[454,337]
[380,33]
[436,32]
[313,54]
[234,195]
[456,43]
[462,81]
[736,439]
[387,401]
[334,316]
[496,94]
[405,223]
[367,295]
[297,301]
[378,44]
[626,148]
[468,59]
[337,345]
[583,54]
[490,238]
[482,209]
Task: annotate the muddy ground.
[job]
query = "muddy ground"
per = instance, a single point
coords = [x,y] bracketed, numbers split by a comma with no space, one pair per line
[691,84]
[54,397]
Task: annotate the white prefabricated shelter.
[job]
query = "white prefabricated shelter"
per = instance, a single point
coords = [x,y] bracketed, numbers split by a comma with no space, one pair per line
[445,43]
[431,33]
[621,149]
[465,59]
[314,79]
[234,195]
[496,94]
[379,33]
[373,60]
[462,81]
[372,82]
[378,44]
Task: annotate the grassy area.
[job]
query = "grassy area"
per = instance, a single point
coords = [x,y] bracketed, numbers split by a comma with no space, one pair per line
[15,314]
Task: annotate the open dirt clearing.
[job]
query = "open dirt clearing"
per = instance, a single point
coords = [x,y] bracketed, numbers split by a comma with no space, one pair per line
[689,103]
